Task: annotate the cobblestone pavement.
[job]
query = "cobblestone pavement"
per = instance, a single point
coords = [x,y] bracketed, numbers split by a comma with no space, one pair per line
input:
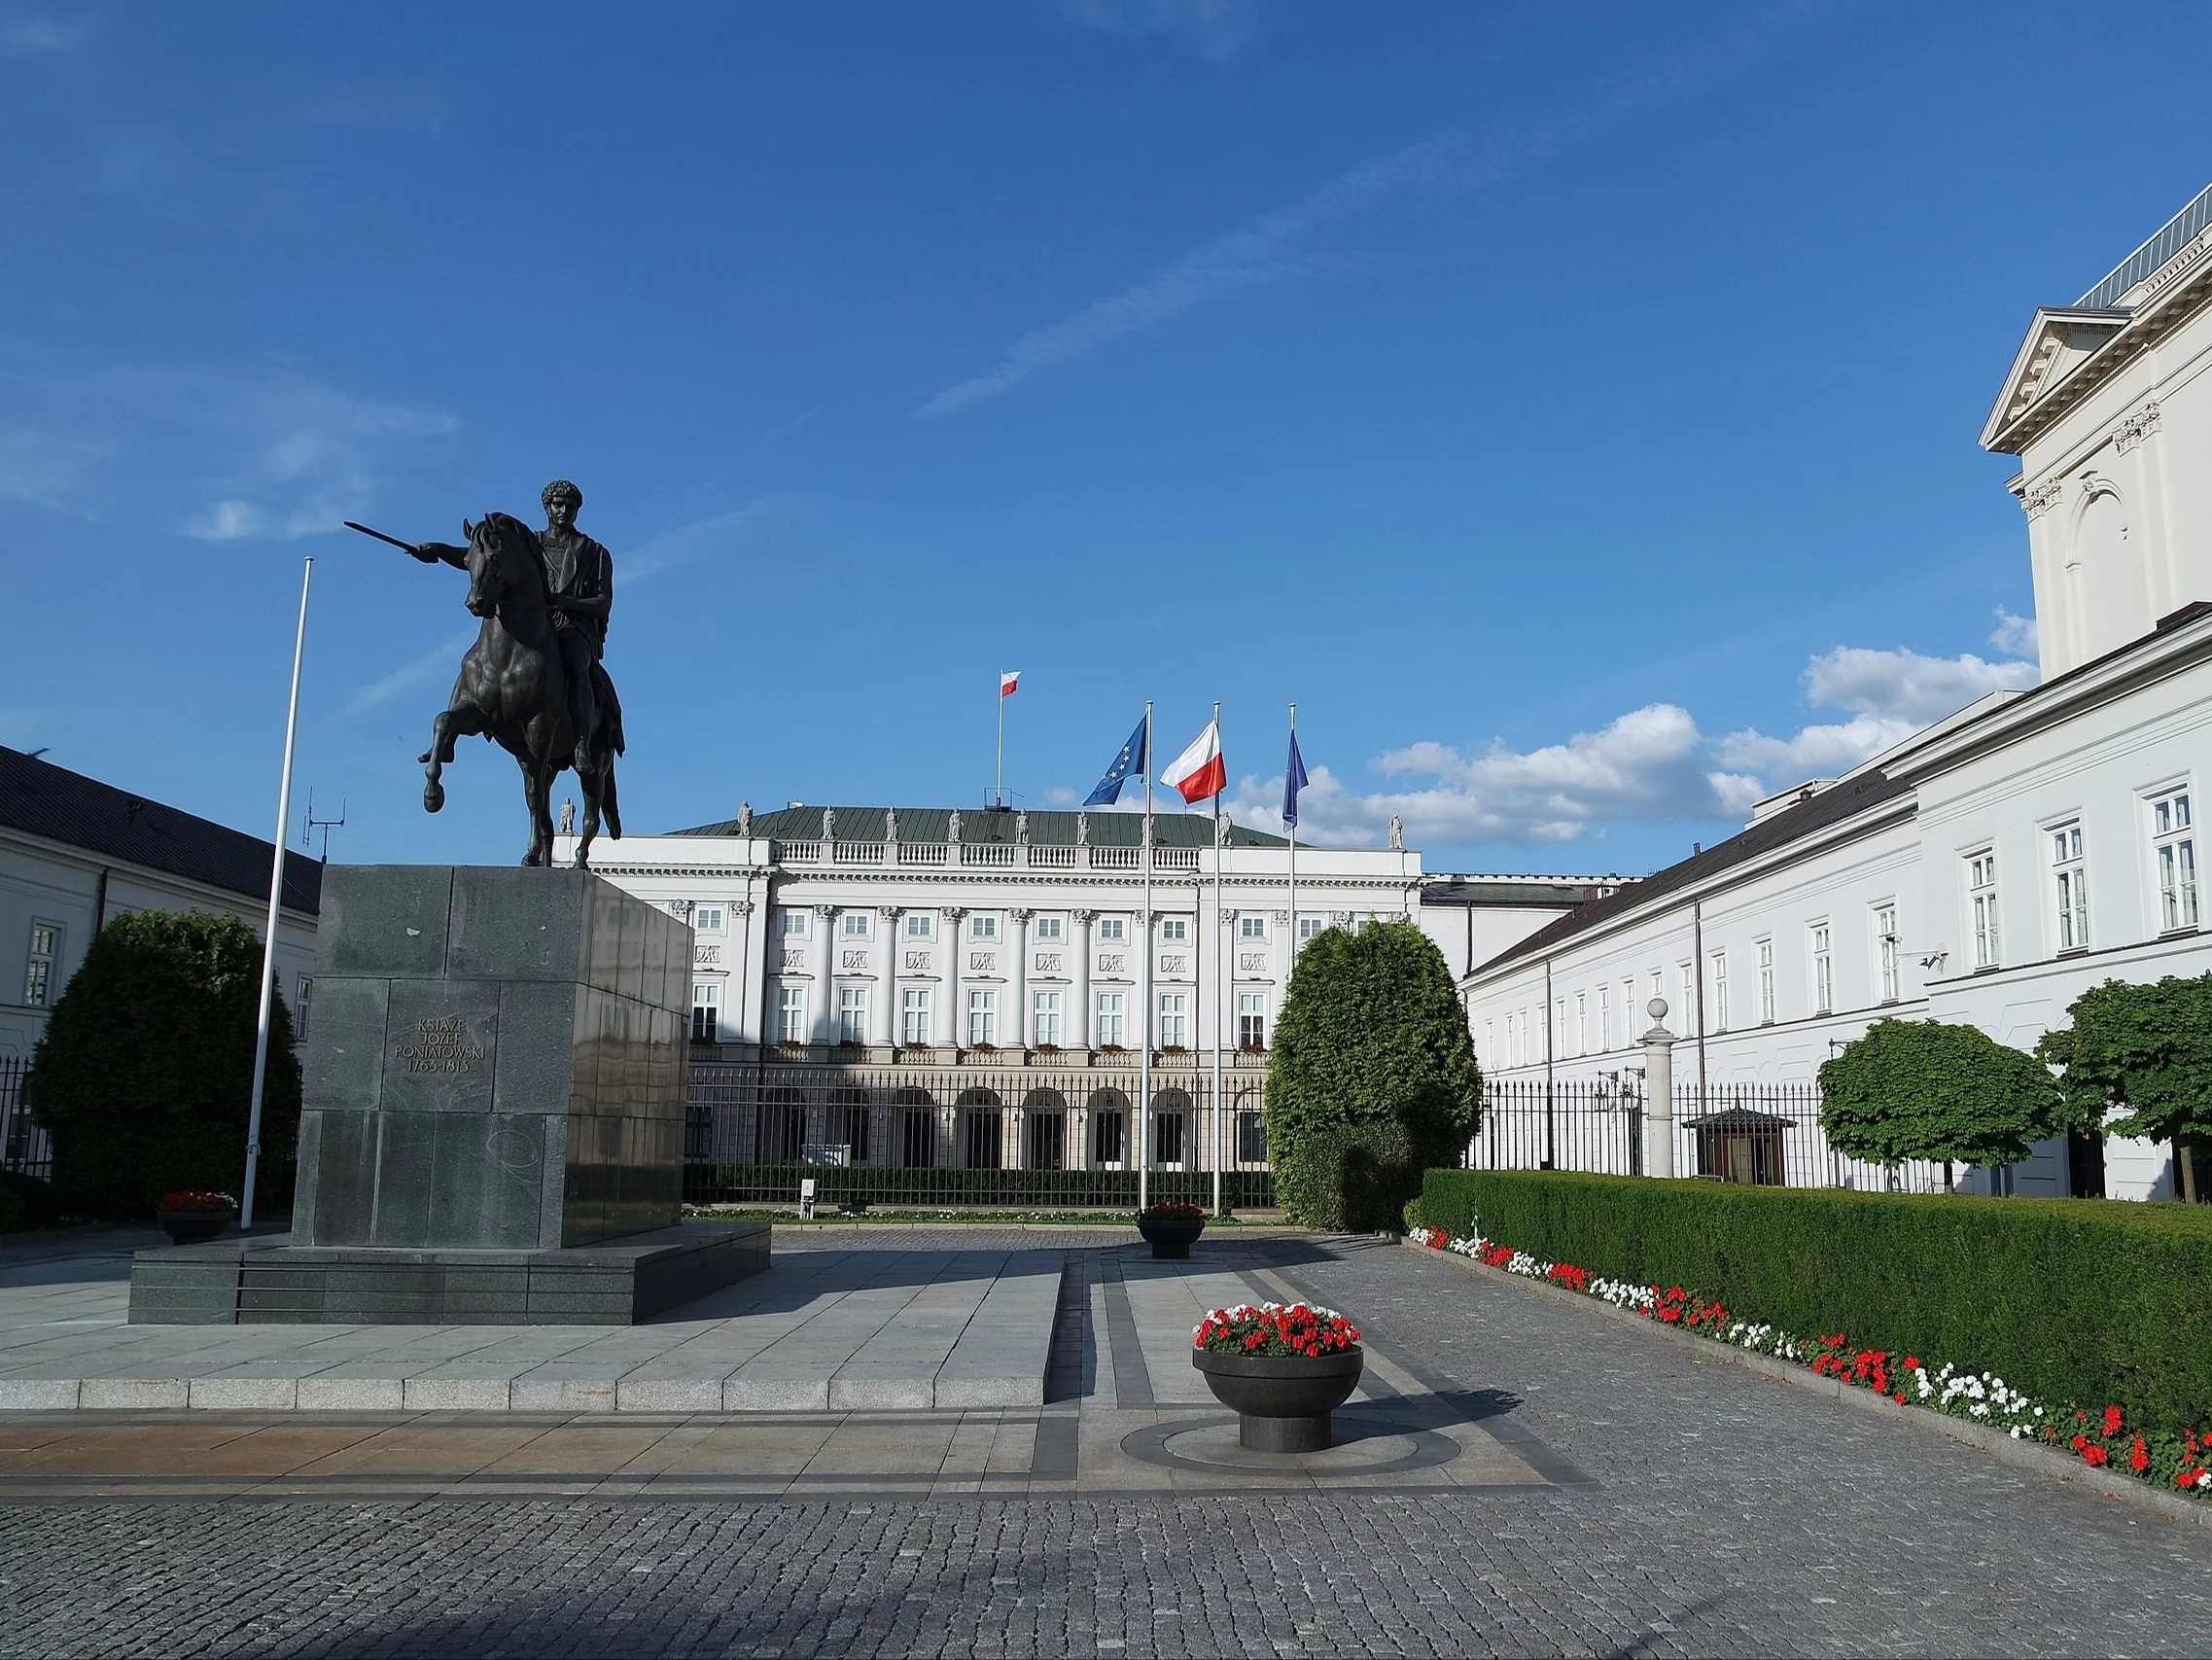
[1722,1513]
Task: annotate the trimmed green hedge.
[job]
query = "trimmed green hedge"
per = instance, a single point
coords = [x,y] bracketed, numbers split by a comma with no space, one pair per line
[2096,1301]
[926,1187]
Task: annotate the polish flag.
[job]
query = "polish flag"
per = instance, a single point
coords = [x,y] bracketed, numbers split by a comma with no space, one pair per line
[1008,682]
[1199,771]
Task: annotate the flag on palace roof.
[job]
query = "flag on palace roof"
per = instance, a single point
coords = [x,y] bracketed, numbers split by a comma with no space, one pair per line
[1200,771]
[1008,680]
[1130,760]
[1293,780]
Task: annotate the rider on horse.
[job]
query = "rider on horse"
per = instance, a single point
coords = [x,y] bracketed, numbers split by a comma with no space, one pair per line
[581,572]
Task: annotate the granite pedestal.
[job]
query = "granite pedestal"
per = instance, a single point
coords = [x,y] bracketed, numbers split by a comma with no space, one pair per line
[494,1089]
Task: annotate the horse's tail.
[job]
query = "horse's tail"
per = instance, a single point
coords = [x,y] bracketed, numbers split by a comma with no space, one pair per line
[610,803]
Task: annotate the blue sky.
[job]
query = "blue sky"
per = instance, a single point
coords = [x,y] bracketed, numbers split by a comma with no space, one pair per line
[1571,403]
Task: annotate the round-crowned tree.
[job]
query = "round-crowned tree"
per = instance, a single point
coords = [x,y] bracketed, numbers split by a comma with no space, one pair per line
[145,1072]
[2146,1049]
[1925,1089]
[1372,1079]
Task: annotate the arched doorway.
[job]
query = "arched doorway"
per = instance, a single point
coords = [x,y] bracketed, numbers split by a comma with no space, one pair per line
[917,1110]
[1046,1110]
[982,1129]
[1109,1111]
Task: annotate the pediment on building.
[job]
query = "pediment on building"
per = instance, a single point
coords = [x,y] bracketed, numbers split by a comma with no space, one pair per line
[2057,343]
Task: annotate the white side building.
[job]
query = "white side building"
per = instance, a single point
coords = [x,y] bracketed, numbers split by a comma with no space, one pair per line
[1993,867]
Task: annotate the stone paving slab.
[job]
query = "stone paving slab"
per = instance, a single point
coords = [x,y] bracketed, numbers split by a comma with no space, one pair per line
[924,1328]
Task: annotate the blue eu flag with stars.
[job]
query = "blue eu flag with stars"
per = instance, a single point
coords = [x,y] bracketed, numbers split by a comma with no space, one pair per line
[1130,760]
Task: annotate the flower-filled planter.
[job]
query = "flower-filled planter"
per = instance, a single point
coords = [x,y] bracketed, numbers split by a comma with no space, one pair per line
[1170,1227]
[1283,1371]
[194,1216]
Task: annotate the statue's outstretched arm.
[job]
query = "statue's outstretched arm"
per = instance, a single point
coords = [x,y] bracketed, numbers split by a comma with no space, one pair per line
[435,552]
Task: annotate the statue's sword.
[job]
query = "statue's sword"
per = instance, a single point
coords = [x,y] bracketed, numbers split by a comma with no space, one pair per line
[404,547]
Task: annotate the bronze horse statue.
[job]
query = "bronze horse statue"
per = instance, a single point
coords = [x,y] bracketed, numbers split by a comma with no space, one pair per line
[512,689]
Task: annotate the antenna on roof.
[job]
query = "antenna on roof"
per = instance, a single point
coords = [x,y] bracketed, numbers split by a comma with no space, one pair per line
[325,826]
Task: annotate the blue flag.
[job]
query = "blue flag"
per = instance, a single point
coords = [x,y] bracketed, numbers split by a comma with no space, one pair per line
[1293,781]
[1131,759]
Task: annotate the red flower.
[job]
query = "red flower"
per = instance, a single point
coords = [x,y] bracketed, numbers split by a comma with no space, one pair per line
[2093,1457]
[1899,1397]
[1911,1361]
[2138,1456]
[2078,1443]
[2112,1420]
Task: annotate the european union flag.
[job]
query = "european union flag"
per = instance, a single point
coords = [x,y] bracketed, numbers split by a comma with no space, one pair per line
[1131,759]
[1294,779]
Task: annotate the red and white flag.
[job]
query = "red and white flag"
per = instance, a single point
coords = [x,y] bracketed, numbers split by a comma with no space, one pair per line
[1199,771]
[1008,682]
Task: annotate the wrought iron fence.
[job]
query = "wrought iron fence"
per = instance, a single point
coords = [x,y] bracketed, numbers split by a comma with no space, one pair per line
[1020,1136]
[1767,1134]
[24,1147]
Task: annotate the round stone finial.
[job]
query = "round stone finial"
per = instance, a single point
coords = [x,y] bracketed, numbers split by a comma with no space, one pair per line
[1656,1008]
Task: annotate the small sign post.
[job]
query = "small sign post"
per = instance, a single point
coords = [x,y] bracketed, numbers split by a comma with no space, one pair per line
[806,1198]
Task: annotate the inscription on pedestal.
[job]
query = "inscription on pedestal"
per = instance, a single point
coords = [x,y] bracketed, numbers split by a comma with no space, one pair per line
[440,1045]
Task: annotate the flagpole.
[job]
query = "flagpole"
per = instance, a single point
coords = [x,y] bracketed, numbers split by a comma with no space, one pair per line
[275,914]
[1292,827]
[1144,1014]
[1220,965]
[999,789]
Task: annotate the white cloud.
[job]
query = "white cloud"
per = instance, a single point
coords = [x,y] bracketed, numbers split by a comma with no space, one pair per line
[1211,28]
[439,662]
[27,37]
[1651,764]
[717,533]
[2014,636]
[218,451]
[1270,247]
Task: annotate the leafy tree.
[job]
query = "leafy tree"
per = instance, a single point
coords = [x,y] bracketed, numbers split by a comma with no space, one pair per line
[1373,1076]
[145,1072]
[1925,1089]
[2145,1050]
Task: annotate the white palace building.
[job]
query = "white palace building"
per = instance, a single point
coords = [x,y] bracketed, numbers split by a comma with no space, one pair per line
[930,986]
[1993,867]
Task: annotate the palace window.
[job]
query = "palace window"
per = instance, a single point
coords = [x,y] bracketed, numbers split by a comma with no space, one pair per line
[1252,1020]
[914,1015]
[1488,1055]
[790,1014]
[1823,971]
[1581,1023]
[1175,929]
[707,1012]
[2070,887]
[982,1017]
[1046,1015]
[1108,1138]
[1251,926]
[1886,949]
[1049,928]
[1252,1138]
[1175,1020]
[303,1002]
[2173,853]
[1308,926]
[792,923]
[1982,906]
[1686,997]
[856,925]
[1114,930]
[852,1014]
[1113,1030]
[1605,1017]
[38,978]
[921,925]
[1765,959]
[1717,992]
[983,927]
[707,919]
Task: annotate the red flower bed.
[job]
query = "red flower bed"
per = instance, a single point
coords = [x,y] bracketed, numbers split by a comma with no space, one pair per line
[1173,1211]
[1275,1329]
[194,1199]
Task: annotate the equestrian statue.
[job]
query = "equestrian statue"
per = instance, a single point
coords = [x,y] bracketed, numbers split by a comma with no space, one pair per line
[534,681]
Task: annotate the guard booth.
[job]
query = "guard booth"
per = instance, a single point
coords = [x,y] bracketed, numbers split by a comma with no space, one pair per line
[1741,1145]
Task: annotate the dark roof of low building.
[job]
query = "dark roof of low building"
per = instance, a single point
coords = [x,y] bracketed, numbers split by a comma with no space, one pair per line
[1839,801]
[46,801]
[1047,828]
[1518,891]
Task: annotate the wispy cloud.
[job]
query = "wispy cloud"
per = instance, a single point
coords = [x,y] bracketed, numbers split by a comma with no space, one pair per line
[437,663]
[217,451]
[1273,247]
[34,37]
[717,533]
[1211,28]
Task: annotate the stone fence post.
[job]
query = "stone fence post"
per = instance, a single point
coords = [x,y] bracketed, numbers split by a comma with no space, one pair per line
[1659,1092]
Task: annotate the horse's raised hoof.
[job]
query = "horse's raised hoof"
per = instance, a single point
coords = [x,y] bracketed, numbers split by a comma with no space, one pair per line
[433,796]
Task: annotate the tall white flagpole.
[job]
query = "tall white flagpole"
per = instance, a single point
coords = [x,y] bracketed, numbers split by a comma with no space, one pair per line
[275,911]
[1292,827]
[998,790]
[1144,1014]
[1221,961]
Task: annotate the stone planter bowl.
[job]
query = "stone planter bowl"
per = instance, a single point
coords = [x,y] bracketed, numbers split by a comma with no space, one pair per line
[1171,1237]
[1282,1402]
[194,1227]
